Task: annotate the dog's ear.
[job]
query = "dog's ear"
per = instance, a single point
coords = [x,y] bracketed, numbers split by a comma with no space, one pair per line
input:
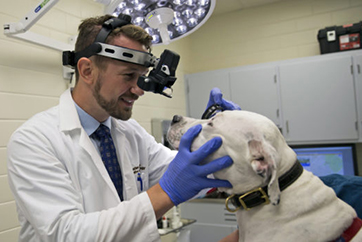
[264,164]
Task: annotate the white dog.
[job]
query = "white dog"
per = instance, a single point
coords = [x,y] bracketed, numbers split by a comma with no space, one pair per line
[305,209]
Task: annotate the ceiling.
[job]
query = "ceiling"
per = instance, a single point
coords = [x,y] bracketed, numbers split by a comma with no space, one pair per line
[225,6]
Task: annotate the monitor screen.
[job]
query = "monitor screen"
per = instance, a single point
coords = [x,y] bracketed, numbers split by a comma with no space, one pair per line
[326,160]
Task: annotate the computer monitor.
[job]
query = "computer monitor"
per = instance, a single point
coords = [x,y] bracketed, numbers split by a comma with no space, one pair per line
[324,160]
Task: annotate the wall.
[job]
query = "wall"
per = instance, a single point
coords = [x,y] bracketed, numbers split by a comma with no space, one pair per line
[278,31]
[31,81]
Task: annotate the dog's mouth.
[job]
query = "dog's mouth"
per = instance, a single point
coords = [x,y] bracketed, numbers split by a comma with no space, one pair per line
[177,129]
[174,137]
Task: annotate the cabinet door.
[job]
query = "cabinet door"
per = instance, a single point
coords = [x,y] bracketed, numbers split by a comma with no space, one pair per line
[357,60]
[213,221]
[318,100]
[199,86]
[256,90]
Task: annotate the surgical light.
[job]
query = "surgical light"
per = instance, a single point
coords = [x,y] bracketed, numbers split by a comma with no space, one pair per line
[164,20]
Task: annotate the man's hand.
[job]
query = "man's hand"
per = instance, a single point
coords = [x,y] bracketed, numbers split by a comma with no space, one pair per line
[216,98]
[184,177]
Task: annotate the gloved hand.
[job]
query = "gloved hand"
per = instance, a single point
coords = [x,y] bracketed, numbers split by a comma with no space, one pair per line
[185,178]
[216,98]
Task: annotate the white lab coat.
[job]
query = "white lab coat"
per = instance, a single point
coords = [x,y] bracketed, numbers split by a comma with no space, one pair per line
[62,189]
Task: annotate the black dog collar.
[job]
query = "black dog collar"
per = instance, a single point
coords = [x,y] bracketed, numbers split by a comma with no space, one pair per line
[259,196]
[211,111]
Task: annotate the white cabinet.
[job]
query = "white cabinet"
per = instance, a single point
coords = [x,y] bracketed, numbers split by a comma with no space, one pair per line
[318,99]
[256,89]
[313,100]
[213,221]
[199,86]
[357,61]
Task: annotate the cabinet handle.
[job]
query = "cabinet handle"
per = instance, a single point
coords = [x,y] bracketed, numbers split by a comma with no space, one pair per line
[359,69]
[287,126]
[278,113]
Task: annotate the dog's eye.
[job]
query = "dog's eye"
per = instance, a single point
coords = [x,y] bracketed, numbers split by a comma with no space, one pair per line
[210,124]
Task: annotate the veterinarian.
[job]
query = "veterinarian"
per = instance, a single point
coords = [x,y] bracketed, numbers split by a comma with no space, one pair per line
[85,171]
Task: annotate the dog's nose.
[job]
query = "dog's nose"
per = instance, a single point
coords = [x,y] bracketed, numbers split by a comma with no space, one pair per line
[176,119]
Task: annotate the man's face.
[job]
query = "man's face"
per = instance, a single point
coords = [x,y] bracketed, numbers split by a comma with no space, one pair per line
[116,87]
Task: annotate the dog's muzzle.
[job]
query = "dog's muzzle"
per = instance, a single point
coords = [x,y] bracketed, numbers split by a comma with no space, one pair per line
[176,119]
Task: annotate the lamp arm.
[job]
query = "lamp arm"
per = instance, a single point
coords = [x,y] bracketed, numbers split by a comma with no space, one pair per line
[20,31]
[30,18]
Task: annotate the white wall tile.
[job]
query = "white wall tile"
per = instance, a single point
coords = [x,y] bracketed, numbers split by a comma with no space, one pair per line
[54,20]
[15,8]
[70,7]
[3,161]
[29,56]
[314,22]
[93,8]
[355,3]
[5,192]
[8,211]
[146,113]
[7,127]
[308,50]
[347,16]
[19,106]
[300,38]
[276,29]
[323,6]
[10,235]
[22,81]
[292,9]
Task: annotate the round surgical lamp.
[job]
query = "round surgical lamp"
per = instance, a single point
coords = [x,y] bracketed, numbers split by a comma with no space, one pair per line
[164,20]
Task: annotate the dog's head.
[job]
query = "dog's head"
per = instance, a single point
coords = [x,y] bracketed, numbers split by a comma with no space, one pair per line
[255,144]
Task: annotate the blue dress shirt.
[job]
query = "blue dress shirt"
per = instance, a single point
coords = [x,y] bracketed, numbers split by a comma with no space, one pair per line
[90,125]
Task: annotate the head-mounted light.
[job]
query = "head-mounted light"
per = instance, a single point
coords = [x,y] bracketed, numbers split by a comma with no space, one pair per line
[142,58]
[160,78]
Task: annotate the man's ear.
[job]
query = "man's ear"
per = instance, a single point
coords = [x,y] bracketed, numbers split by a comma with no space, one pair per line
[86,69]
[264,164]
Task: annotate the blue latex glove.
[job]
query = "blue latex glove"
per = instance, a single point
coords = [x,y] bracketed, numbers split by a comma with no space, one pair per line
[185,177]
[216,98]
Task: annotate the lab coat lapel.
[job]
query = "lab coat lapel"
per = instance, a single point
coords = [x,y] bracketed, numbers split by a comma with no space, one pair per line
[69,122]
[129,183]
[68,115]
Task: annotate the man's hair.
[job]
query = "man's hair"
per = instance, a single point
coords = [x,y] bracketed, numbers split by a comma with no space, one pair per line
[90,27]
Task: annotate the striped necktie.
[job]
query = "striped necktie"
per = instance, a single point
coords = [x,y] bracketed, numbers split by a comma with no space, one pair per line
[109,157]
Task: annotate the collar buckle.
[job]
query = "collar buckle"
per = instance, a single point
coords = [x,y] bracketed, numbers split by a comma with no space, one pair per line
[227,204]
[254,198]
[262,196]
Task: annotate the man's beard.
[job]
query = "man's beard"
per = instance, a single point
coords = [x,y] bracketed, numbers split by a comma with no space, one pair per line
[112,106]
